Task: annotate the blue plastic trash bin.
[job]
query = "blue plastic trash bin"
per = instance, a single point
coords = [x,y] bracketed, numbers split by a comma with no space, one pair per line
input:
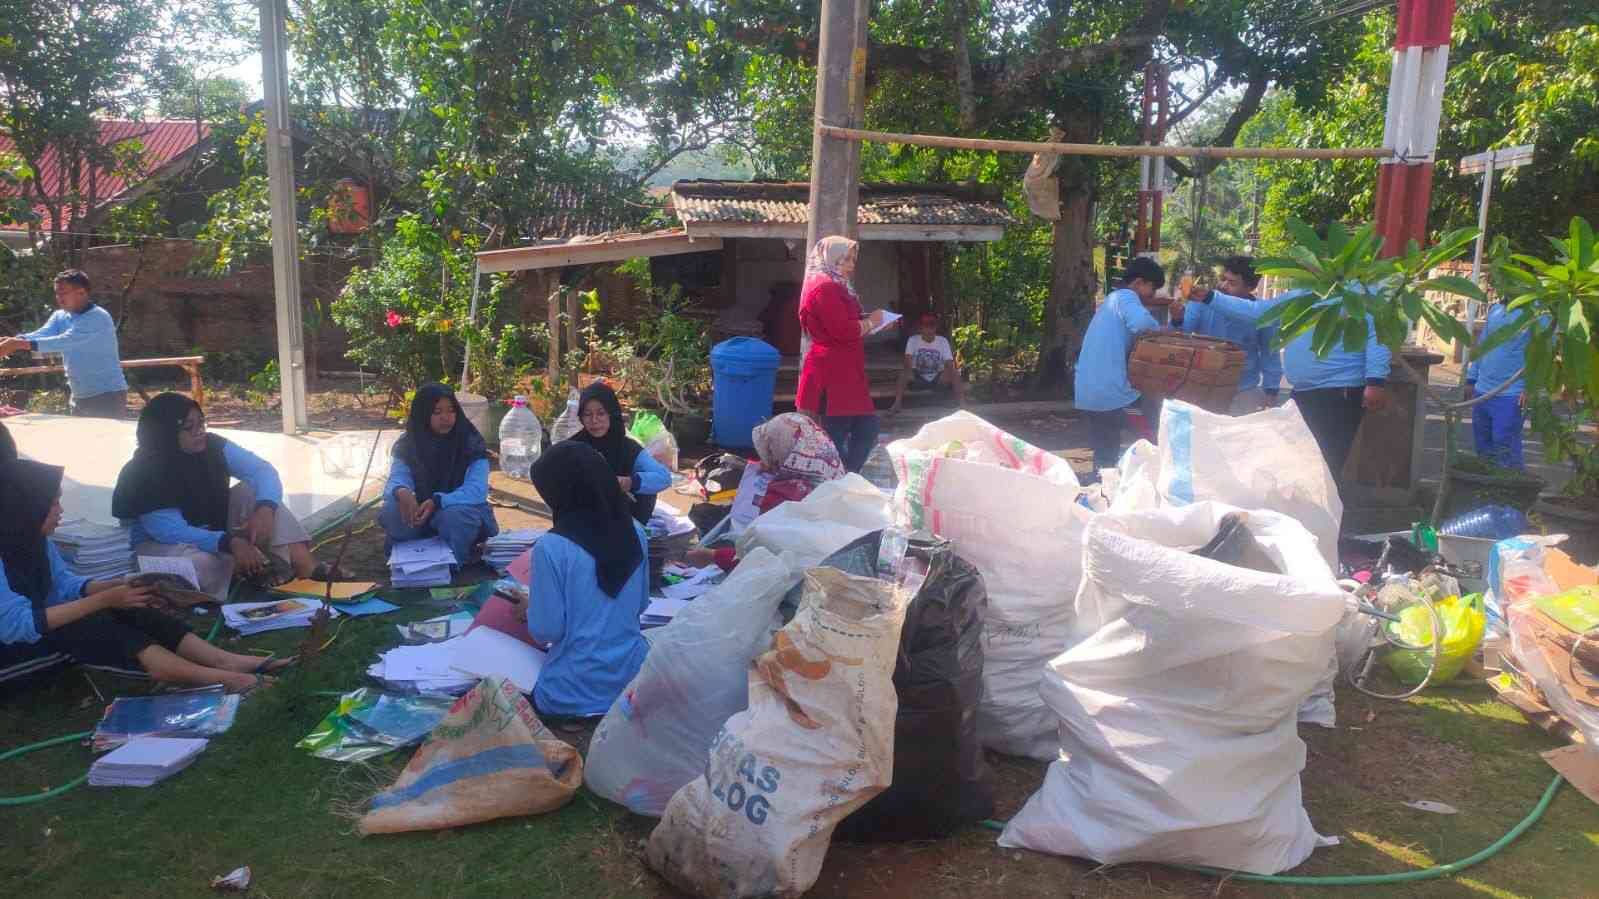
[743,376]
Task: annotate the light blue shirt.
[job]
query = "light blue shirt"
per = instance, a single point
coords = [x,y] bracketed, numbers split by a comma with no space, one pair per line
[652,475]
[170,527]
[87,343]
[20,622]
[1263,363]
[1341,369]
[596,645]
[1100,383]
[1508,358]
[474,489]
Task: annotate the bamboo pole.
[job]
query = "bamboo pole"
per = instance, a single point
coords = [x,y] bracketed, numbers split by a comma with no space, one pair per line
[1023,146]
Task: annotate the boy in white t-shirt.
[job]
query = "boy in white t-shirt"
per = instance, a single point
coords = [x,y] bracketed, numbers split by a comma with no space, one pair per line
[929,365]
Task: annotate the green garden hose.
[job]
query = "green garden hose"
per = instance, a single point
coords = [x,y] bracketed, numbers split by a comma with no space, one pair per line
[1345,880]
[56,791]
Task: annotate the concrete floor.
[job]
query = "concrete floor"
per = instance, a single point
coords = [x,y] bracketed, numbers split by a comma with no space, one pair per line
[320,470]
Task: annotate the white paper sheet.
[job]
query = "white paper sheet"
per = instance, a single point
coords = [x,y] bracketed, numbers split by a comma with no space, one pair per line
[889,318]
[171,565]
[661,607]
[486,652]
[694,586]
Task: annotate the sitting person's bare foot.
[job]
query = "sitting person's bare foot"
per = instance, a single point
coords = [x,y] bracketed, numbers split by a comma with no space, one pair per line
[244,682]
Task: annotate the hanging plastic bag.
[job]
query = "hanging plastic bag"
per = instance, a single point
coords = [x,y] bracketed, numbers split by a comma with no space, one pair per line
[1464,622]
[1012,511]
[368,723]
[815,744]
[655,736]
[491,757]
[648,430]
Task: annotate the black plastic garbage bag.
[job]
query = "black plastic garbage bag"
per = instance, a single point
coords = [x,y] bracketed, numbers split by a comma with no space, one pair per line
[941,780]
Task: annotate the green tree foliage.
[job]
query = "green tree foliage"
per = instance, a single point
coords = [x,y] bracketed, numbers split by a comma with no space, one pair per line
[1519,72]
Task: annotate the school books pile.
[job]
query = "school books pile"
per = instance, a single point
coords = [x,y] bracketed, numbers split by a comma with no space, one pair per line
[144,761]
[258,617]
[205,712]
[420,563]
[502,549]
[98,551]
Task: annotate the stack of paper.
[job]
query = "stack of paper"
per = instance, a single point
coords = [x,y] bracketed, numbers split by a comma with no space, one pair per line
[502,549]
[693,582]
[664,522]
[426,668]
[99,551]
[435,630]
[144,761]
[661,611]
[258,617]
[420,563]
[191,713]
[485,652]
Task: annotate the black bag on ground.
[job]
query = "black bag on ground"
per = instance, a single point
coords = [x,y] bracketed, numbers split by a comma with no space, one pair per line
[942,782]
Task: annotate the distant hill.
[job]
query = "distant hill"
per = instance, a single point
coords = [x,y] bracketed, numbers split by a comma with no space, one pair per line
[709,163]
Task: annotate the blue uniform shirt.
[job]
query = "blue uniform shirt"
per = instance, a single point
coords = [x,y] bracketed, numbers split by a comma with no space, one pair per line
[170,527]
[1101,381]
[20,622]
[1341,368]
[87,343]
[1508,358]
[596,645]
[474,489]
[1263,363]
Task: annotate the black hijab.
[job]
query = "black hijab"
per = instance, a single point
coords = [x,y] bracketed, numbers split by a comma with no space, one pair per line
[619,450]
[438,462]
[162,476]
[8,446]
[589,510]
[28,491]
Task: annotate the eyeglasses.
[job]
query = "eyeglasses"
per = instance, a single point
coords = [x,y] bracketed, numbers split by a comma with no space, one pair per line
[595,415]
[193,427]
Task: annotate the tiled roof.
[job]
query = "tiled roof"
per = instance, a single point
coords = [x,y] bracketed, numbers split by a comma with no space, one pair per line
[161,141]
[569,211]
[788,202]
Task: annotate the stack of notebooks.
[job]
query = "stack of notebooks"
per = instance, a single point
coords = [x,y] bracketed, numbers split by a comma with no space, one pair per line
[143,761]
[427,668]
[98,551]
[258,617]
[502,549]
[190,713]
[420,563]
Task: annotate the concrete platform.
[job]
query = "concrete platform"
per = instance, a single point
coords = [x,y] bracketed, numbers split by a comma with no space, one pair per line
[320,470]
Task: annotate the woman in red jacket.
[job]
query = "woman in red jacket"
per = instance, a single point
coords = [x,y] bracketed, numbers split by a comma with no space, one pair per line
[832,382]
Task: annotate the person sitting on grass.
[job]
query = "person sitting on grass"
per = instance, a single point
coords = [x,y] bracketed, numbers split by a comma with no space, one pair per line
[439,478]
[103,624]
[589,585]
[176,492]
[929,365]
[637,472]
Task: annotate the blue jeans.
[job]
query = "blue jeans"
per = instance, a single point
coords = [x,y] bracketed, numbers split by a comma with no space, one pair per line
[460,526]
[854,436]
[1496,430]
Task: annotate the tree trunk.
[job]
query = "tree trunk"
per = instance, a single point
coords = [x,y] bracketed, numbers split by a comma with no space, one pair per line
[1072,285]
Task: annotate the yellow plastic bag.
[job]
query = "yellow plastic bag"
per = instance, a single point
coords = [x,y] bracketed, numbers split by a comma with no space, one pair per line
[1464,622]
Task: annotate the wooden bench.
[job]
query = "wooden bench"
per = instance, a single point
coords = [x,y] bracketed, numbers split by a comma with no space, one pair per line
[190,364]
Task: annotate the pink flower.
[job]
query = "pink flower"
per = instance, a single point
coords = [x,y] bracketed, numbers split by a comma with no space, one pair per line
[394,319]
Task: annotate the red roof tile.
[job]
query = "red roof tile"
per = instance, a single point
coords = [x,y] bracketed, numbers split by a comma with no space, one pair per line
[162,142]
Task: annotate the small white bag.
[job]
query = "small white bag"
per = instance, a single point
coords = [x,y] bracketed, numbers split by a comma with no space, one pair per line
[827,520]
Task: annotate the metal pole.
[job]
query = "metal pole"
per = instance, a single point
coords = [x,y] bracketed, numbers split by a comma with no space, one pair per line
[471,319]
[285,237]
[840,93]
[1482,233]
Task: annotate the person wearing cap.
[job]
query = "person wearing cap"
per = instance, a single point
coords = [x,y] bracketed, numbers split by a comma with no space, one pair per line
[1263,364]
[929,364]
[86,337]
[1101,390]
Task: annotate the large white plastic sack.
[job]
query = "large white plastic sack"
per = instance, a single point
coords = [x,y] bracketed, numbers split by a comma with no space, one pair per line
[1177,711]
[1267,460]
[654,738]
[1011,509]
[827,520]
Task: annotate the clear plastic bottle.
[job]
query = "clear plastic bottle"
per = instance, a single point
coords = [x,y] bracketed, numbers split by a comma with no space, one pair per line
[567,423]
[1492,522]
[521,439]
[879,469]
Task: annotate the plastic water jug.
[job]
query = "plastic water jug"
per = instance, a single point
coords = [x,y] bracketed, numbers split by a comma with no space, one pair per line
[567,423]
[521,438]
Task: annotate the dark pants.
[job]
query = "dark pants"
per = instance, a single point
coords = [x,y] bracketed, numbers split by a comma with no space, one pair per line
[1333,415]
[1105,430]
[101,405]
[115,637]
[1496,430]
[855,436]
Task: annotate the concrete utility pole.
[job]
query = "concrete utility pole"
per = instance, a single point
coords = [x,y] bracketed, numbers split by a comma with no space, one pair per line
[285,236]
[840,101]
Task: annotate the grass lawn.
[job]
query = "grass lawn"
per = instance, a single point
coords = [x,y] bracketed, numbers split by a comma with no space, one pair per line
[254,799]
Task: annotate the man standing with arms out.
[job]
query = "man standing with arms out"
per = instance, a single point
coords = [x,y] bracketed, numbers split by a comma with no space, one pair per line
[1496,422]
[1101,389]
[1333,394]
[1263,365]
[929,364]
[86,337]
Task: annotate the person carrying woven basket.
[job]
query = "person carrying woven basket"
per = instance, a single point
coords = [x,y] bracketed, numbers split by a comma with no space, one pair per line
[1102,391]
[1263,366]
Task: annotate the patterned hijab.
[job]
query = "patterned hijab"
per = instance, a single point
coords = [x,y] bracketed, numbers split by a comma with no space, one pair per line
[824,261]
[793,447]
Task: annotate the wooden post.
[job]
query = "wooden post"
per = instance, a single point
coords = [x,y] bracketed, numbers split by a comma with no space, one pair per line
[552,301]
[196,386]
[841,102]
[572,312]
[285,235]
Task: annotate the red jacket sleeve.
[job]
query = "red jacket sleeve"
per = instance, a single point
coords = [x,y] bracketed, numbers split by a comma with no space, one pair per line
[829,315]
